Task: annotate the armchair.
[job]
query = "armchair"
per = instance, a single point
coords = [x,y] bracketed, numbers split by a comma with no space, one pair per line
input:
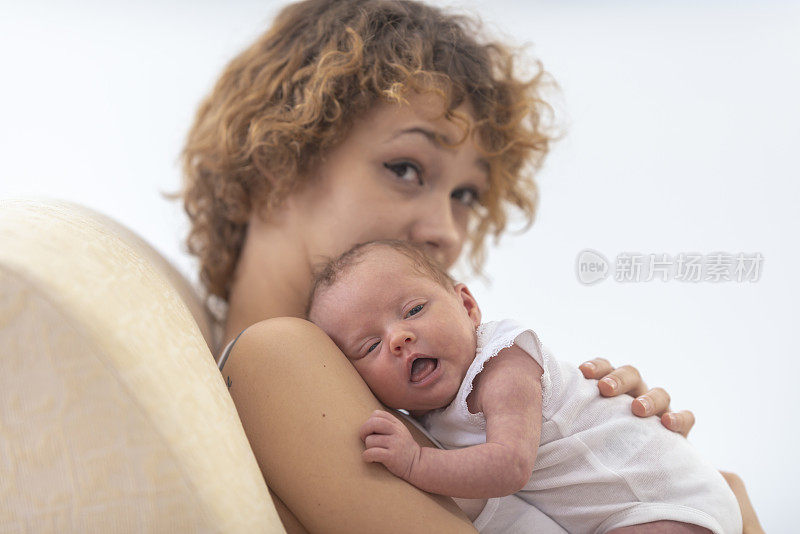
[113,415]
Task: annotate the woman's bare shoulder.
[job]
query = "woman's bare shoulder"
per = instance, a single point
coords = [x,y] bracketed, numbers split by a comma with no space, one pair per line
[279,332]
[272,341]
[280,326]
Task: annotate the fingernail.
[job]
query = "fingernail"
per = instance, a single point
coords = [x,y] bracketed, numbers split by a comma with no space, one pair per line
[672,420]
[645,402]
[590,366]
[611,383]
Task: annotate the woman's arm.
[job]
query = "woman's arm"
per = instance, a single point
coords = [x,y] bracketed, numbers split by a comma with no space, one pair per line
[626,379]
[301,404]
[750,523]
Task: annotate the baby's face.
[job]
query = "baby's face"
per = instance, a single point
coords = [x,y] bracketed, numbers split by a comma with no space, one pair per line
[411,339]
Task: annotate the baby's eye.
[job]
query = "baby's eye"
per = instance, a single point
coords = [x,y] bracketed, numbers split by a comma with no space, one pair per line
[406,171]
[372,347]
[415,310]
[467,196]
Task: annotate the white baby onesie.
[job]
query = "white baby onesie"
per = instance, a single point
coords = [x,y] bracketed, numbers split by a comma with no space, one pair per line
[598,466]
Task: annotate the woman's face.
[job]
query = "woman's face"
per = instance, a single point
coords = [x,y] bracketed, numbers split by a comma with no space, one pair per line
[391,179]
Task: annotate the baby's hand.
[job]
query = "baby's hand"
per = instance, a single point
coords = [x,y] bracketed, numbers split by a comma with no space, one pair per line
[389,442]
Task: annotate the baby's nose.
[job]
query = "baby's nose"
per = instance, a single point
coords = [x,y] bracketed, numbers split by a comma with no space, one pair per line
[401,339]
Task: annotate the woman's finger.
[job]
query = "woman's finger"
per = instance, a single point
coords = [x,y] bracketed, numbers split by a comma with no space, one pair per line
[625,379]
[654,402]
[681,422]
[596,369]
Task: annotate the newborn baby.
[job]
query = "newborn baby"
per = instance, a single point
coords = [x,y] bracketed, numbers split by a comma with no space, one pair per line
[511,418]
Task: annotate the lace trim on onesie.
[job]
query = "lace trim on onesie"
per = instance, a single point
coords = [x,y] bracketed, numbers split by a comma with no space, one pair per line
[493,337]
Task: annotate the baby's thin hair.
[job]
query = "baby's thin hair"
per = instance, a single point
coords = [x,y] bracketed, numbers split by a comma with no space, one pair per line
[327,275]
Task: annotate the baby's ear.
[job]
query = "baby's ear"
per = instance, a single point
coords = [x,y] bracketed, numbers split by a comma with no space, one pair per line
[470,304]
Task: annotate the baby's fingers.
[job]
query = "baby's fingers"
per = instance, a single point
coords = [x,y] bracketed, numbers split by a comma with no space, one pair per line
[378,440]
[376,424]
[375,454]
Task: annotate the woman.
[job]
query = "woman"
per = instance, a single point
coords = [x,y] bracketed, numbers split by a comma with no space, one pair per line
[350,121]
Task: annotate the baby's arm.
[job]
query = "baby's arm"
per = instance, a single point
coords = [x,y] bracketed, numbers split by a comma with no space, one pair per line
[508,392]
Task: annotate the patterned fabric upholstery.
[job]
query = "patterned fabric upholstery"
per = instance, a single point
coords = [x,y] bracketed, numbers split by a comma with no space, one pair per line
[113,416]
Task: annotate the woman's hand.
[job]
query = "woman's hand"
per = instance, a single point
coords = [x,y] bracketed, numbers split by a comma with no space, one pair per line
[626,379]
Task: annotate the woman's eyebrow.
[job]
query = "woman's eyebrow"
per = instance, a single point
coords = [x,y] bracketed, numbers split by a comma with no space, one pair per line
[436,139]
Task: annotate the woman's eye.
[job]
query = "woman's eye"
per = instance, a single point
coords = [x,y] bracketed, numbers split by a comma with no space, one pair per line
[415,310]
[405,171]
[372,347]
[467,196]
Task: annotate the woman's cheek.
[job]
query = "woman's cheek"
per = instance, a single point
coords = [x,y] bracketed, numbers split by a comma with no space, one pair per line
[383,227]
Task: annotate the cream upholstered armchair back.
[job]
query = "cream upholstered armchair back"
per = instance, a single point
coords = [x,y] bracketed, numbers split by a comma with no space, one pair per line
[113,416]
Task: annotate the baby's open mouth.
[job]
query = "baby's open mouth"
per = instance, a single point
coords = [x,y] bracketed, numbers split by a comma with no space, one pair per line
[421,368]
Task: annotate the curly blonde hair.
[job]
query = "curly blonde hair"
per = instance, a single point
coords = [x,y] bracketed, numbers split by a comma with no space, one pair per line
[293,94]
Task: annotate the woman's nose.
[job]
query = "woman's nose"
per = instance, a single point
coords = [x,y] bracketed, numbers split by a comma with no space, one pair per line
[399,339]
[437,230]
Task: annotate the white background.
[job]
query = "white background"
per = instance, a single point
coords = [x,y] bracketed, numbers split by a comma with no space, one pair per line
[682,127]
